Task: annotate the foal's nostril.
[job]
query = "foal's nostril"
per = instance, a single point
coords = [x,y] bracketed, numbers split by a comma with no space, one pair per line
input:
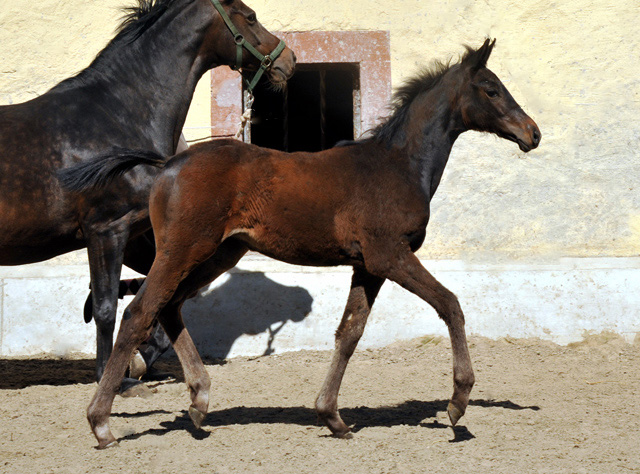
[536,136]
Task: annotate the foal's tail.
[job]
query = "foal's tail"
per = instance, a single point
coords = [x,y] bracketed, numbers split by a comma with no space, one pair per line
[100,171]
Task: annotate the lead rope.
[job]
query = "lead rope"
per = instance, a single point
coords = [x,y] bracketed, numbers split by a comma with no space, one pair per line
[246,117]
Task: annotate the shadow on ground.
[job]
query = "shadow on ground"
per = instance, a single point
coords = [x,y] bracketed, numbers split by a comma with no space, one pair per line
[412,413]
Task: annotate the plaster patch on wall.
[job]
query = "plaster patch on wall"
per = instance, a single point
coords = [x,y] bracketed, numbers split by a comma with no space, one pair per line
[368,49]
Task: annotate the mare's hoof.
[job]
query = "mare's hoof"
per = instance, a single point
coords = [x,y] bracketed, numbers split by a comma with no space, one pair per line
[137,390]
[196,416]
[454,413]
[155,375]
[137,366]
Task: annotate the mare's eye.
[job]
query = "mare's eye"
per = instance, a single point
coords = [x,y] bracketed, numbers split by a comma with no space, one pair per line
[252,18]
[492,93]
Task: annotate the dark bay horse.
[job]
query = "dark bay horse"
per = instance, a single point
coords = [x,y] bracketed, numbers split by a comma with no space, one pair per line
[135,94]
[363,204]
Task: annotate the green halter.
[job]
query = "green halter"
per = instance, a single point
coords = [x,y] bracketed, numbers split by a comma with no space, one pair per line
[265,61]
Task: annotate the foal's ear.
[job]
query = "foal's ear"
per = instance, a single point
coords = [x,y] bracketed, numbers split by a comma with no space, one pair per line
[477,58]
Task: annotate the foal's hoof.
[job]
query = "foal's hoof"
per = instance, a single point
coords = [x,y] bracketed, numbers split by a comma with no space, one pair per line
[196,416]
[137,366]
[344,435]
[454,413]
[338,427]
[112,444]
[103,435]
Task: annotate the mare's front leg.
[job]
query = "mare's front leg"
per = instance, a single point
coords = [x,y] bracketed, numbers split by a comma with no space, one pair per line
[406,270]
[105,251]
[364,289]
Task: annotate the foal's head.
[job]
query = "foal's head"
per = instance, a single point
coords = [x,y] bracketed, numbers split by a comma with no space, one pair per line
[487,106]
[220,45]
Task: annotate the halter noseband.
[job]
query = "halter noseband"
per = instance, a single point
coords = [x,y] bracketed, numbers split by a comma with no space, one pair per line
[265,61]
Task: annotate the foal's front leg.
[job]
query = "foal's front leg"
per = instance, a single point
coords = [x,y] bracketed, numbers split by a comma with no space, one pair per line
[408,272]
[364,289]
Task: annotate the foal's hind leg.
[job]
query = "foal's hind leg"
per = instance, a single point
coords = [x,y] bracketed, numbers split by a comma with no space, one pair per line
[364,289]
[195,374]
[139,255]
[135,327]
[196,377]
[169,269]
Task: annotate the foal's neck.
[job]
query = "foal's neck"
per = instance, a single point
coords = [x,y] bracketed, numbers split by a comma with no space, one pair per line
[432,128]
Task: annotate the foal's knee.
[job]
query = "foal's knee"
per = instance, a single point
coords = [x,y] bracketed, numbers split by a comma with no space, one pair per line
[450,310]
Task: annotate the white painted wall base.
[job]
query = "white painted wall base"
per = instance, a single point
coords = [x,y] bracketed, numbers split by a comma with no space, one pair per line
[264,305]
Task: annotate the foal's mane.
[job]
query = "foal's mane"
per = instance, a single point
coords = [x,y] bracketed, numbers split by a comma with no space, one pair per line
[424,81]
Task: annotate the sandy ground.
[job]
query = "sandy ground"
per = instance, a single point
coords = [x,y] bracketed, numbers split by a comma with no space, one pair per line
[536,407]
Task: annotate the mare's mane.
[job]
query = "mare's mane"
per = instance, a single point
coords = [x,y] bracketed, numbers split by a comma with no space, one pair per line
[135,22]
[140,18]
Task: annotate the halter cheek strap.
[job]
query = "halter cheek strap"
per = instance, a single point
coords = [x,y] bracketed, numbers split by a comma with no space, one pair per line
[265,61]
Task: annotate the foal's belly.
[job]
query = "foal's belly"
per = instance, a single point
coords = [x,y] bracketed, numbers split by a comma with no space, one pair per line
[309,251]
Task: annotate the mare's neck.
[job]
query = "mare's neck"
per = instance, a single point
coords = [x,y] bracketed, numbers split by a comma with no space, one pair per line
[432,128]
[147,85]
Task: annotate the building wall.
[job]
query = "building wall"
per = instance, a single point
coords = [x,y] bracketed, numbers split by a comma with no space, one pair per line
[572,65]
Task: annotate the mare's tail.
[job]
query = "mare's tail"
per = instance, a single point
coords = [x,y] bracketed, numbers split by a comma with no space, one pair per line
[100,171]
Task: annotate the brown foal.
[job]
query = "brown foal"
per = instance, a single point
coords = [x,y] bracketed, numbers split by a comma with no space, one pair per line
[363,204]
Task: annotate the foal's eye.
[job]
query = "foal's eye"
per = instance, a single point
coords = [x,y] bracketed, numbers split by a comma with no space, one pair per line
[492,93]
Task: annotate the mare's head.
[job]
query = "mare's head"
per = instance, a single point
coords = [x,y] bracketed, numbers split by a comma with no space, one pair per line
[486,105]
[235,35]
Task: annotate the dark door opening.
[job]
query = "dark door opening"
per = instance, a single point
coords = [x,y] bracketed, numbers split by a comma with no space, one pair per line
[319,108]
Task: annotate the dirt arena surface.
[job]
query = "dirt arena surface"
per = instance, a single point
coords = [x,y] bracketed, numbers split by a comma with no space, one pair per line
[536,407]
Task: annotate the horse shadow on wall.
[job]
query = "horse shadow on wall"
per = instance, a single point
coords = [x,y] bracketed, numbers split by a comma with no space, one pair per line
[246,303]
[243,303]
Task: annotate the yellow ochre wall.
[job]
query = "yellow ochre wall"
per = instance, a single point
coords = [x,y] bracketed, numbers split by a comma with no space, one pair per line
[574,66]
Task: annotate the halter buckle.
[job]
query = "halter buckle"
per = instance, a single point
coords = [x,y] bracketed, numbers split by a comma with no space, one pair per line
[239,39]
